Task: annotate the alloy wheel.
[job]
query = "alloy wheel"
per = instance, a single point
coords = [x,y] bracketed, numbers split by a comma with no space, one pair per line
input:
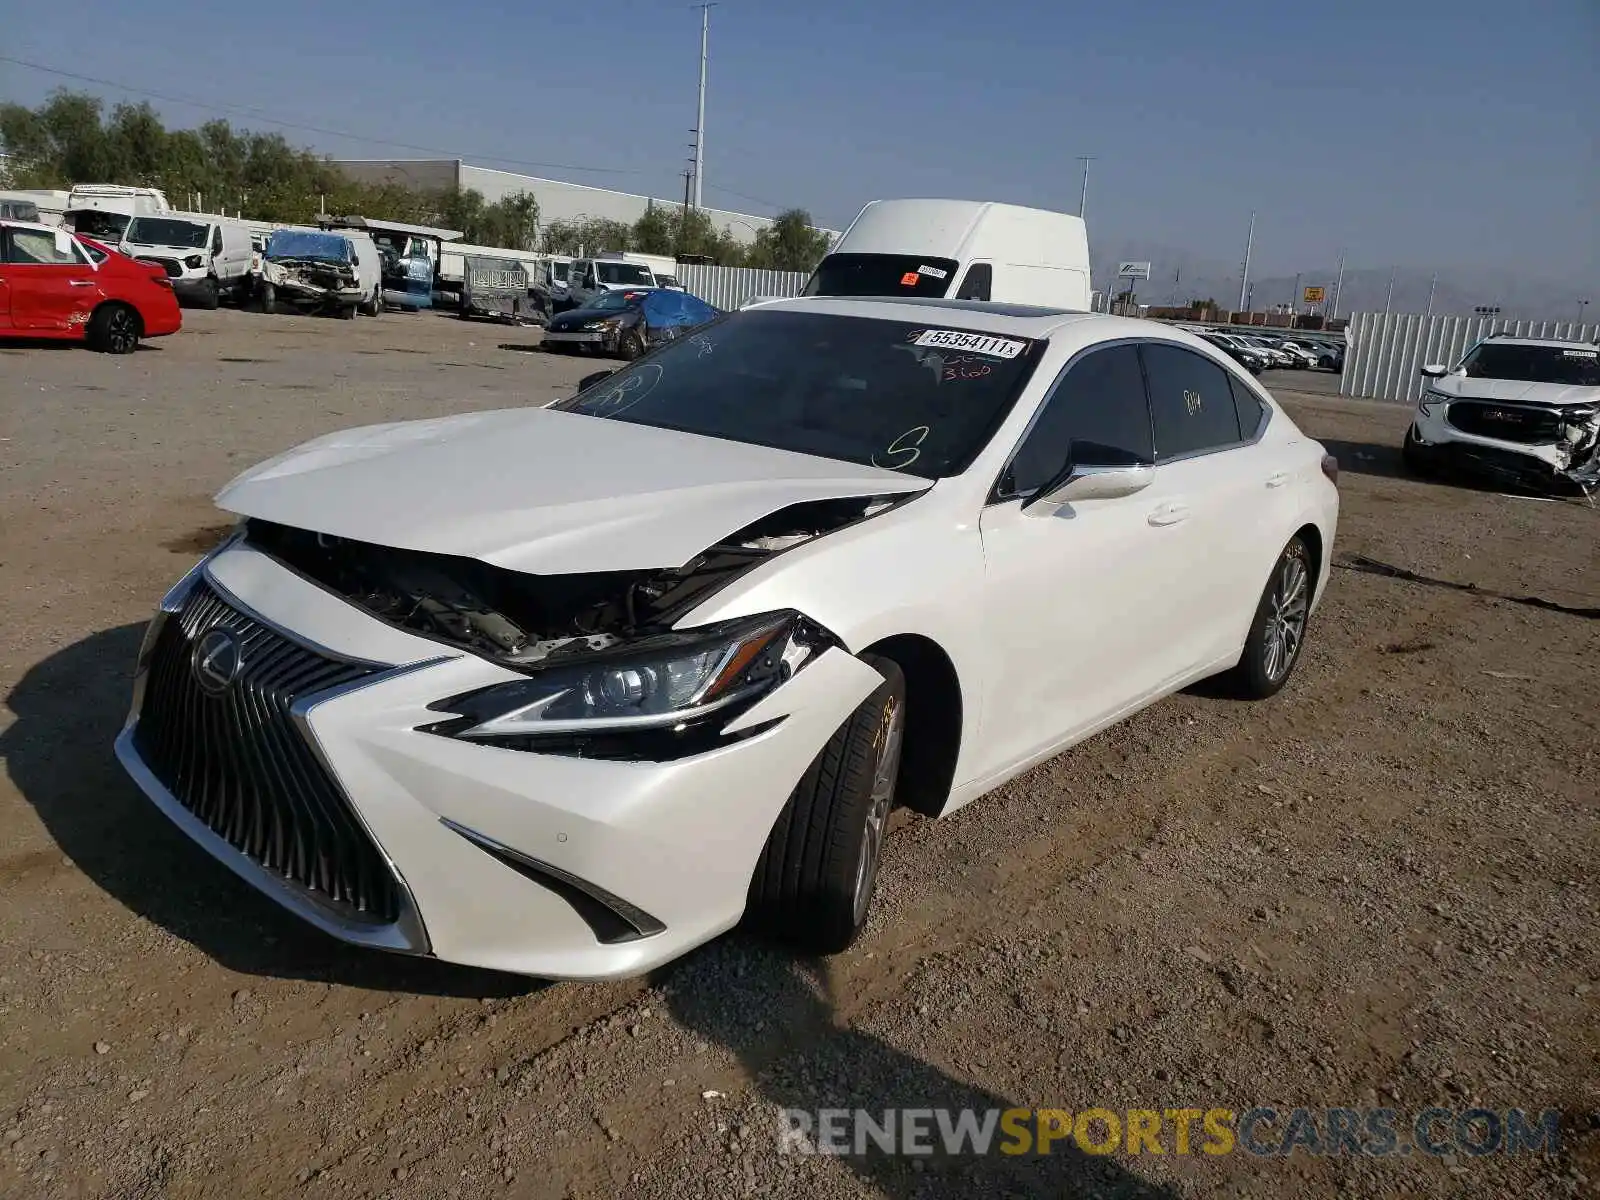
[885,767]
[1287,609]
[122,332]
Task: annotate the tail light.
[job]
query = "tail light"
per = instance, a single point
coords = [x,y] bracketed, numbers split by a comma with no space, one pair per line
[1330,468]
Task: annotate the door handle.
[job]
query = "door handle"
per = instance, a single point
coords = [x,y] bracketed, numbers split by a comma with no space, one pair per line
[1277,479]
[80,283]
[1169,514]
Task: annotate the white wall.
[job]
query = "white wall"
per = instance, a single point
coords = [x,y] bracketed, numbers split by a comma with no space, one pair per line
[558,201]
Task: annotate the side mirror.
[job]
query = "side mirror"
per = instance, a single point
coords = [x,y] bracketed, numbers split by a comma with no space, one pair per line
[1093,483]
[588,381]
[1435,370]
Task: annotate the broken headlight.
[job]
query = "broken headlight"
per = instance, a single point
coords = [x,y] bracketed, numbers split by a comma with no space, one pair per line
[662,682]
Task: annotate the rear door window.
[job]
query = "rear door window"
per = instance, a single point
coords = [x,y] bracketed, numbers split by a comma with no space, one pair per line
[1191,401]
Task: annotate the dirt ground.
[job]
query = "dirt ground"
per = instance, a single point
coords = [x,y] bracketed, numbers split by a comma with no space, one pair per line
[1378,889]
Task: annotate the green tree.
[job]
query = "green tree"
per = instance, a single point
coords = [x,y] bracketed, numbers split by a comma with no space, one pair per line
[512,222]
[656,232]
[790,243]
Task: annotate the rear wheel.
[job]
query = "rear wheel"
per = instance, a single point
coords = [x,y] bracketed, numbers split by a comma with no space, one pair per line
[1279,629]
[210,294]
[818,872]
[114,329]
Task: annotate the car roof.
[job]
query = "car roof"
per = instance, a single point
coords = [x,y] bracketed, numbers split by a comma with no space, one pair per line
[1552,343]
[1020,320]
[37,226]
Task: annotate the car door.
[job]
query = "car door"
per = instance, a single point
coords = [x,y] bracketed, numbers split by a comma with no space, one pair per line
[1077,602]
[1216,486]
[53,286]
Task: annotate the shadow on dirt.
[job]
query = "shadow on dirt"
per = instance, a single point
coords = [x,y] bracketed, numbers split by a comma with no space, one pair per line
[777,1016]
[58,753]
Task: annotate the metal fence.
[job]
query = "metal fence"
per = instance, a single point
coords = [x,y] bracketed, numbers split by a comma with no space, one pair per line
[729,287]
[1388,349]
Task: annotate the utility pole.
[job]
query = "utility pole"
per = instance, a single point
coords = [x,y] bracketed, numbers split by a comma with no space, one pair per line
[1244,275]
[700,122]
[1582,304]
[1294,296]
[1388,300]
[1432,285]
[1083,196]
[1338,286]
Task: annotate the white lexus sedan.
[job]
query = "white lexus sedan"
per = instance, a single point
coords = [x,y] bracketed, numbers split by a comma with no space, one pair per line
[568,691]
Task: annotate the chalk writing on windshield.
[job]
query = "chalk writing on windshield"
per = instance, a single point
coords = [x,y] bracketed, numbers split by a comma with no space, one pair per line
[903,451]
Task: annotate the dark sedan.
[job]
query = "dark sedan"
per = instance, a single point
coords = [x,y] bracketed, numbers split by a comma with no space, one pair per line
[627,322]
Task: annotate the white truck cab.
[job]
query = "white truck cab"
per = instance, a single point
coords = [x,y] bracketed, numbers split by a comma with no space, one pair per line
[590,277]
[102,210]
[204,255]
[964,249]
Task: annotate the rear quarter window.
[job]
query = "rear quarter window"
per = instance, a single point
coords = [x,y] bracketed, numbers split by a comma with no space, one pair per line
[1191,401]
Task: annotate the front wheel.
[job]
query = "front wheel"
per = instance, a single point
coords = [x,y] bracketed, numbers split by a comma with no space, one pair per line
[818,872]
[1278,630]
[1413,453]
[269,298]
[631,344]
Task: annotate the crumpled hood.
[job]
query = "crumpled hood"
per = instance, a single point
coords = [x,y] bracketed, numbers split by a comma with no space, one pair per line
[541,491]
[1459,387]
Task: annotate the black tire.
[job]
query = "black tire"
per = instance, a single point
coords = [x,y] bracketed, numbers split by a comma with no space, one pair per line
[269,298]
[1282,617]
[375,309]
[347,312]
[114,329]
[631,344]
[1414,454]
[814,882]
[210,296]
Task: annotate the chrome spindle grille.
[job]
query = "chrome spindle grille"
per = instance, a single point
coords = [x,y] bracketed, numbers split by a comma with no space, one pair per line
[238,761]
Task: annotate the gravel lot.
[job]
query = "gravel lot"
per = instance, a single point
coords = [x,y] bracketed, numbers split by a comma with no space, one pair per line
[1377,889]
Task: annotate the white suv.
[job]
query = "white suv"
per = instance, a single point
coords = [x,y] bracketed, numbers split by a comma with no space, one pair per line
[1523,409]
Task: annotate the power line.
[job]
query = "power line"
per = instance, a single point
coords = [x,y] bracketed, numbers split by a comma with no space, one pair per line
[339,133]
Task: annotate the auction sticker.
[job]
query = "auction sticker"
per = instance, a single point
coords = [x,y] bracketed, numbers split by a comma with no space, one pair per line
[974,343]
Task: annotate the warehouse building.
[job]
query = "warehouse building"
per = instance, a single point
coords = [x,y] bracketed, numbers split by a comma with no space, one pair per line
[558,201]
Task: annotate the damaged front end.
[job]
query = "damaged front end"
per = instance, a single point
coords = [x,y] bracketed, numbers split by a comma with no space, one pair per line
[1543,447]
[313,281]
[608,674]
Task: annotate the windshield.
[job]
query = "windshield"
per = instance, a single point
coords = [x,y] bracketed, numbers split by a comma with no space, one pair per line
[624,273]
[164,231]
[1534,364]
[559,271]
[890,394]
[107,226]
[881,275]
[613,301]
[295,243]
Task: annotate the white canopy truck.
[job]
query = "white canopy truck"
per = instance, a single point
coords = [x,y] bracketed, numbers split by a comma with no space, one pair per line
[962,249]
[102,210]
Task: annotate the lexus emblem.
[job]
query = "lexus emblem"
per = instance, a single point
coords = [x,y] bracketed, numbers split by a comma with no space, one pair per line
[216,661]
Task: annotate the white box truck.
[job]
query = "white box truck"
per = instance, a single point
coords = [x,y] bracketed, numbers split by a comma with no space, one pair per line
[964,249]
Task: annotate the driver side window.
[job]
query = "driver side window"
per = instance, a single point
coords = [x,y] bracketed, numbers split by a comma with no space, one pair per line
[1099,407]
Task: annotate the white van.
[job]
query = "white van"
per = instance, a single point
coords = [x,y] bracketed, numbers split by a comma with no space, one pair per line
[591,277]
[964,249]
[205,256]
[338,271]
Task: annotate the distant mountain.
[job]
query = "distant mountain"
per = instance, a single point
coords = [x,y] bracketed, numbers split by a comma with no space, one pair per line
[1459,289]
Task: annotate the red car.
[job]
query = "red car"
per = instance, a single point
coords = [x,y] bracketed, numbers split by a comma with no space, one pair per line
[56,285]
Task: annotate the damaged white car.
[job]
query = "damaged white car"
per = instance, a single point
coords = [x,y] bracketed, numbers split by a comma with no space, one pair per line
[1522,410]
[570,691]
[337,273]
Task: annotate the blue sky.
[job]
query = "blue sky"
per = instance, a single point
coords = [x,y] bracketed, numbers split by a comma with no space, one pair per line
[1419,132]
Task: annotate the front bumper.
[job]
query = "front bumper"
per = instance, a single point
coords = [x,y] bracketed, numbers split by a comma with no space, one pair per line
[1544,464]
[496,854]
[580,337]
